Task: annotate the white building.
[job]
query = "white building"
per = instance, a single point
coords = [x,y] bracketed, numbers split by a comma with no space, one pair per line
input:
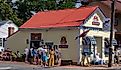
[61,28]
[7,28]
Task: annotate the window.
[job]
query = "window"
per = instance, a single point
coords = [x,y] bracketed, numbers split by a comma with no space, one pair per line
[0,41]
[35,36]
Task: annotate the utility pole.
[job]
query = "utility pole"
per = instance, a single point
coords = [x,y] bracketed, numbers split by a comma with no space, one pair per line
[111,32]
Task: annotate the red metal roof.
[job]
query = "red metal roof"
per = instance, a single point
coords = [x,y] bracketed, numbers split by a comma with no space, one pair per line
[59,18]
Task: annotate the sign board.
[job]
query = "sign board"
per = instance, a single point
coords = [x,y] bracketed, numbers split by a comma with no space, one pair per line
[63,46]
[94,21]
[106,24]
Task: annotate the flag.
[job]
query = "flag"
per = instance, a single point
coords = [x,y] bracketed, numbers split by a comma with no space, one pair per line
[83,34]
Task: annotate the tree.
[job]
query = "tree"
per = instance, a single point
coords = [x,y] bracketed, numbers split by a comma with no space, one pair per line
[24,8]
[6,12]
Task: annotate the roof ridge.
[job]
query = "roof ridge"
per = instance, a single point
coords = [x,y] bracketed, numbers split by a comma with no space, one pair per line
[54,17]
[68,9]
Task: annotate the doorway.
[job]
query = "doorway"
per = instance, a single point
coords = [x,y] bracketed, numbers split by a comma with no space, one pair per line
[35,44]
[99,45]
[35,40]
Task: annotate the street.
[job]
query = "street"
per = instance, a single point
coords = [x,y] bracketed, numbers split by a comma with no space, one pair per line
[5,65]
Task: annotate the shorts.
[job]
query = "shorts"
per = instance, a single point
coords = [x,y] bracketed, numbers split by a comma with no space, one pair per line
[39,56]
[44,58]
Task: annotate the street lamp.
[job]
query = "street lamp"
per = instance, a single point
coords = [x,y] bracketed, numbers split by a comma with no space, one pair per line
[111,32]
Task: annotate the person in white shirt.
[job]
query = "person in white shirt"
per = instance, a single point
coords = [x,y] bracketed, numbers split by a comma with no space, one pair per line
[26,52]
[98,59]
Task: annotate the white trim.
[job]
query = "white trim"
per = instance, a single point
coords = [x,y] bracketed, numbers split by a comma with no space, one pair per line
[97,10]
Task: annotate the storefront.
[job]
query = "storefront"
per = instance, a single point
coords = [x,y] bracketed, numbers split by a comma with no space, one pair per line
[60,28]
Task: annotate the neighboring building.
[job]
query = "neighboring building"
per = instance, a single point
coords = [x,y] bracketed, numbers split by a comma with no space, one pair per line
[7,28]
[60,28]
[106,8]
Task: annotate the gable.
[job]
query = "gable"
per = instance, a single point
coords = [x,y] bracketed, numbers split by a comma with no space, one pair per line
[4,28]
[95,20]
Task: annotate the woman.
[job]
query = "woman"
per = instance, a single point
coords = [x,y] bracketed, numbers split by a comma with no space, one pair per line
[51,60]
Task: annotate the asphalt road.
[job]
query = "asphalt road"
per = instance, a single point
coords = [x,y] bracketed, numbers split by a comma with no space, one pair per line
[24,66]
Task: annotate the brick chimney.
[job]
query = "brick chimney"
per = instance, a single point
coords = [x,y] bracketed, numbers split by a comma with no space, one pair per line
[10,30]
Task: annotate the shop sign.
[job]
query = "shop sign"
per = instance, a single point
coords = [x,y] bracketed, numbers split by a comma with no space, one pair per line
[63,46]
[95,21]
[63,42]
[106,25]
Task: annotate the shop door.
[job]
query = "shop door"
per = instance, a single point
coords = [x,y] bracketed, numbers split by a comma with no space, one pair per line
[99,45]
[35,40]
[35,44]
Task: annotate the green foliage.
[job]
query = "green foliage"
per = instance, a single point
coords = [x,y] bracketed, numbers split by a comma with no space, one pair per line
[24,7]
[6,12]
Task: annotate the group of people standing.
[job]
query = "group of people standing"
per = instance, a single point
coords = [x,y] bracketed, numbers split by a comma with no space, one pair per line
[8,55]
[43,56]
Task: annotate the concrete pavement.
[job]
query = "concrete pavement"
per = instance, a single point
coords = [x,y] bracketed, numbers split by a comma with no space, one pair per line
[6,65]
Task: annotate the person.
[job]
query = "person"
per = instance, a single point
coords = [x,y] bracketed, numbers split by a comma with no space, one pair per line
[51,57]
[8,54]
[98,60]
[44,57]
[34,55]
[14,56]
[30,56]
[26,52]
[57,56]
[116,56]
[39,54]
[18,56]
[1,56]
[85,55]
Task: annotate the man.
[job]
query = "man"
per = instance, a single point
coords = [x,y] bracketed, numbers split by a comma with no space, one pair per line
[26,52]
[116,57]
[85,55]
[98,60]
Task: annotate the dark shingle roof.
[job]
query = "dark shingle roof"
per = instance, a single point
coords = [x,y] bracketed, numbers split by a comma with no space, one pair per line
[3,22]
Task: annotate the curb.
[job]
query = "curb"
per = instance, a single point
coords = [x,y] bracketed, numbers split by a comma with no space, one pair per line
[5,68]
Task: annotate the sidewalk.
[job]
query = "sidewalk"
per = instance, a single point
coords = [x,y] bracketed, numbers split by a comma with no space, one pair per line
[69,67]
[94,67]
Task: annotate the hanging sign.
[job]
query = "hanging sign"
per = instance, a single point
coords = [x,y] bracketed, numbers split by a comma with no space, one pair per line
[95,21]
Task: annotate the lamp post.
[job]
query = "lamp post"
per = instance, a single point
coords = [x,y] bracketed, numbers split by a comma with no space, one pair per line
[111,31]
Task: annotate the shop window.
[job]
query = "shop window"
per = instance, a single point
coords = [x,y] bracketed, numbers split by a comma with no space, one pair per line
[35,36]
[0,41]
